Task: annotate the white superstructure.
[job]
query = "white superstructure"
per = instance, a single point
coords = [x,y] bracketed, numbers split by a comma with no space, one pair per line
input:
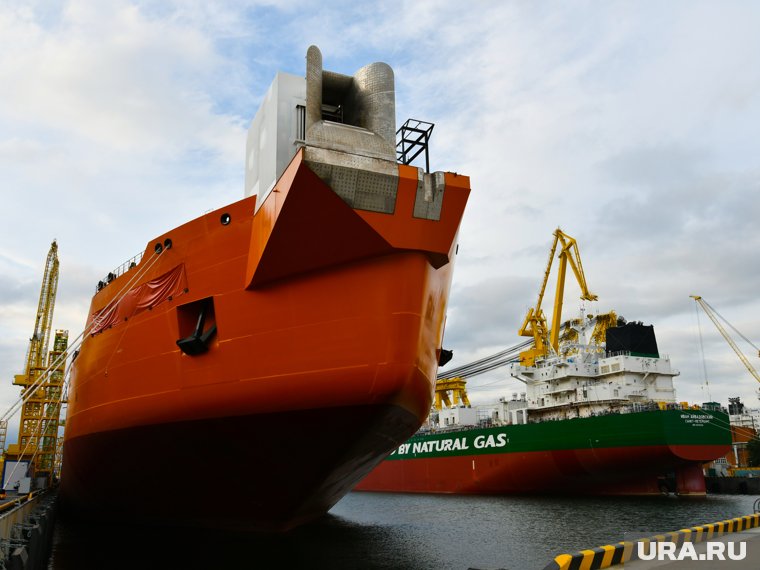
[588,381]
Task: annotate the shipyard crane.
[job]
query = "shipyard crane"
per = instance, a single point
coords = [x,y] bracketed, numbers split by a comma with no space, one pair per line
[458,392]
[601,322]
[41,381]
[535,325]
[714,315]
[38,344]
[453,382]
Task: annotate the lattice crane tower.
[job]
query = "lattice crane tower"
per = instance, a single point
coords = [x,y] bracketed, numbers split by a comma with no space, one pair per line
[42,381]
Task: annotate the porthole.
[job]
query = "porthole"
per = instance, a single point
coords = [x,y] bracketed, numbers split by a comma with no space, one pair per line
[225,219]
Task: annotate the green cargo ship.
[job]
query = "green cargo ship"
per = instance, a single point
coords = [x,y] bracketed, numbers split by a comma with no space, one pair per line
[589,422]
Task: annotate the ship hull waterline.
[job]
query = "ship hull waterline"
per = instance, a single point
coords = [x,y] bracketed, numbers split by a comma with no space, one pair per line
[256,487]
[632,454]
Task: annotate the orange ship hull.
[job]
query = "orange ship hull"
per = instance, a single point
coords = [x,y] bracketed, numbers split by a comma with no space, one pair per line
[312,333]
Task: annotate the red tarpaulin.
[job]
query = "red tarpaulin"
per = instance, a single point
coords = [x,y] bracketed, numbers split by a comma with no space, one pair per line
[139,299]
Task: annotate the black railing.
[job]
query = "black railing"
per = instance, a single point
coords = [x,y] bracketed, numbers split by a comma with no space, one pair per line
[413,138]
[121,270]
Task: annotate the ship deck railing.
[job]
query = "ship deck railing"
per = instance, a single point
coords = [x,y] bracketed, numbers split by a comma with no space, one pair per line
[130,263]
[555,361]
[634,408]
[629,353]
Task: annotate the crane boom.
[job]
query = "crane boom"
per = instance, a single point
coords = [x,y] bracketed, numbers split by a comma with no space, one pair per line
[713,317]
[535,324]
[568,254]
[40,339]
[38,343]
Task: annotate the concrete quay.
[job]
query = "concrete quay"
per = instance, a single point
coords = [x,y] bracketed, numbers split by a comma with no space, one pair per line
[711,560]
[731,544]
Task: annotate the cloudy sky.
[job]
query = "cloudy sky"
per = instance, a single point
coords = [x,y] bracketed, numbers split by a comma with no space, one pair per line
[633,126]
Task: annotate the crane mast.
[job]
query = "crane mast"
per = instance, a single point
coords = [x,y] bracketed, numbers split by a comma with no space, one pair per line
[38,344]
[41,382]
[535,324]
[707,308]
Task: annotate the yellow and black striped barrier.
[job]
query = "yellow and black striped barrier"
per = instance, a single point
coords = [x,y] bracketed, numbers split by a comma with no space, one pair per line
[612,554]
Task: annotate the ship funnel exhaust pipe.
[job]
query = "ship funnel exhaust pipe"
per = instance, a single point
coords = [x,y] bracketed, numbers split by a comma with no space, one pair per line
[366,99]
[375,99]
[313,86]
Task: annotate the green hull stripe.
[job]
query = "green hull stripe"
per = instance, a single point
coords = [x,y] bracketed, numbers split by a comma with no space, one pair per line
[653,428]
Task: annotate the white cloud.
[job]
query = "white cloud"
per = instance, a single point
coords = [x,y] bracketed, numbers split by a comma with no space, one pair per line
[113,78]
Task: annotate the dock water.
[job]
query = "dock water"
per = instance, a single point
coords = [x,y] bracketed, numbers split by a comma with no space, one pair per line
[377,530]
[388,531]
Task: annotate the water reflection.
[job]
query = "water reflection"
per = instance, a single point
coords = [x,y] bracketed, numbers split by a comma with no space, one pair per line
[332,542]
[375,530]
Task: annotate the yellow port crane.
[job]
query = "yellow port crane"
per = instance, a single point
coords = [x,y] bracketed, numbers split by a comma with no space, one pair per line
[458,392]
[42,382]
[535,321]
[713,314]
[602,322]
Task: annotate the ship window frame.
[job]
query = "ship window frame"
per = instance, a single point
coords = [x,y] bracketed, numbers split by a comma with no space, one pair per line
[300,123]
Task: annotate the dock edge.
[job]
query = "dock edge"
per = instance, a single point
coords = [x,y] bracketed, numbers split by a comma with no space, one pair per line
[621,552]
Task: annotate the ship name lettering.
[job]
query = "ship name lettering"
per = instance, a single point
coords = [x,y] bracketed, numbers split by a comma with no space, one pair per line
[481,442]
[696,420]
[440,445]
